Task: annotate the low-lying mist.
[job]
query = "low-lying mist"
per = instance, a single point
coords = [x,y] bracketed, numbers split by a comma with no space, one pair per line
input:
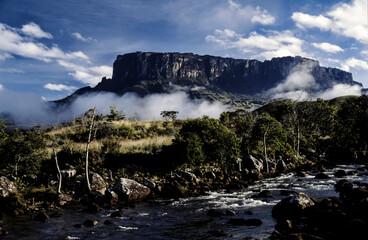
[30,109]
[301,85]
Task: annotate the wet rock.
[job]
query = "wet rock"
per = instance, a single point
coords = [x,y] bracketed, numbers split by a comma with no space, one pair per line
[215,213]
[55,214]
[285,192]
[237,221]
[64,199]
[218,233]
[108,222]
[281,166]
[210,175]
[6,187]
[252,163]
[111,197]
[189,177]
[292,206]
[284,225]
[340,173]
[264,194]
[90,223]
[130,190]
[230,213]
[3,232]
[98,184]
[173,190]
[78,225]
[93,208]
[148,183]
[322,176]
[253,222]
[301,174]
[117,214]
[42,217]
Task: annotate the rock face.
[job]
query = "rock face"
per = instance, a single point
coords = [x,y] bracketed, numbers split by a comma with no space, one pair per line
[98,184]
[207,76]
[6,187]
[130,190]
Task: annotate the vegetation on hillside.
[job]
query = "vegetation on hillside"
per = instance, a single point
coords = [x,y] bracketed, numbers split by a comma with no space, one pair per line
[284,129]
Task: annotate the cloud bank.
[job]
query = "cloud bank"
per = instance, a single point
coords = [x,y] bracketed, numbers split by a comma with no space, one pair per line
[301,85]
[29,109]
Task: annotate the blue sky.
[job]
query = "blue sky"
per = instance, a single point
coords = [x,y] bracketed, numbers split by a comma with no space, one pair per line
[51,48]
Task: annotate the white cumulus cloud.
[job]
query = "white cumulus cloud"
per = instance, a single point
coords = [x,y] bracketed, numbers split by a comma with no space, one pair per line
[16,42]
[263,17]
[33,30]
[275,44]
[58,87]
[354,63]
[79,36]
[328,47]
[346,19]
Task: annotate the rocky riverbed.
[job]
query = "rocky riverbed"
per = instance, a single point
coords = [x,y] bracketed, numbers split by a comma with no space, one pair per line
[239,214]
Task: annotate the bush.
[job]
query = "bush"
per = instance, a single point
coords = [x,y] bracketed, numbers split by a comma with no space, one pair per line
[206,140]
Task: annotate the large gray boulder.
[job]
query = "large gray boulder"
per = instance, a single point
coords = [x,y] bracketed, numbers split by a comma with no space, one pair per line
[98,184]
[6,187]
[252,163]
[130,190]
[292,206]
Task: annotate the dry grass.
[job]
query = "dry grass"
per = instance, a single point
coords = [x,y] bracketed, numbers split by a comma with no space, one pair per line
[145,145]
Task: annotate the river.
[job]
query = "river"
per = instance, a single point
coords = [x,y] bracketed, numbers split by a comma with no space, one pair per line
[183,218]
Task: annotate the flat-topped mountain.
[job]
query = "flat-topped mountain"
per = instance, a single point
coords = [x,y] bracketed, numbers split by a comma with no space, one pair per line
[234,81]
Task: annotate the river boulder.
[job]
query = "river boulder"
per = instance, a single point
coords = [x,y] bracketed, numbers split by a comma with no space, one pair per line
[130,190]
[6,187]
[281,166]
[98,184]
[292,206]
[252,163]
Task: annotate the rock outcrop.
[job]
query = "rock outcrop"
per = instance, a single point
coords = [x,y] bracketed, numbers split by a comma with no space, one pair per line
[233,81]
[130,190]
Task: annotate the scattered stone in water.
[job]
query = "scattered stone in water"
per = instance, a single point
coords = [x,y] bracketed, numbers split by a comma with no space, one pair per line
[214,213]
[93,208]
[78,225]
[230,213]
[90,223]
[253,222]
[265,194]
[117,214]
[107,222]
[42,217]
[322,176]
[292,206]
[287,192]
[248,212]
[55,214]
[340,173]
[301,174]
[237,221]
[3,232]
[218,233]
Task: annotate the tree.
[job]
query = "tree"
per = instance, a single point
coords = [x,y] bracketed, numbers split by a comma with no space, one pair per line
[270,132]
[59,172]
[169,115]
[206,140]
[115,115]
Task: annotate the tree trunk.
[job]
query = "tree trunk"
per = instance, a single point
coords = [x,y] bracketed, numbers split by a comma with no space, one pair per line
[297,141]
[265,148]
[59,172]
[87,147]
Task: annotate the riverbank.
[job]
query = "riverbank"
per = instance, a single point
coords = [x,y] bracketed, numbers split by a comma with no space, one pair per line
[188,216]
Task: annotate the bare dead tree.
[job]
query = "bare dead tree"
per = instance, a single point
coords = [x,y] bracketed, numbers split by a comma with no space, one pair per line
[90,139]
[59,172]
